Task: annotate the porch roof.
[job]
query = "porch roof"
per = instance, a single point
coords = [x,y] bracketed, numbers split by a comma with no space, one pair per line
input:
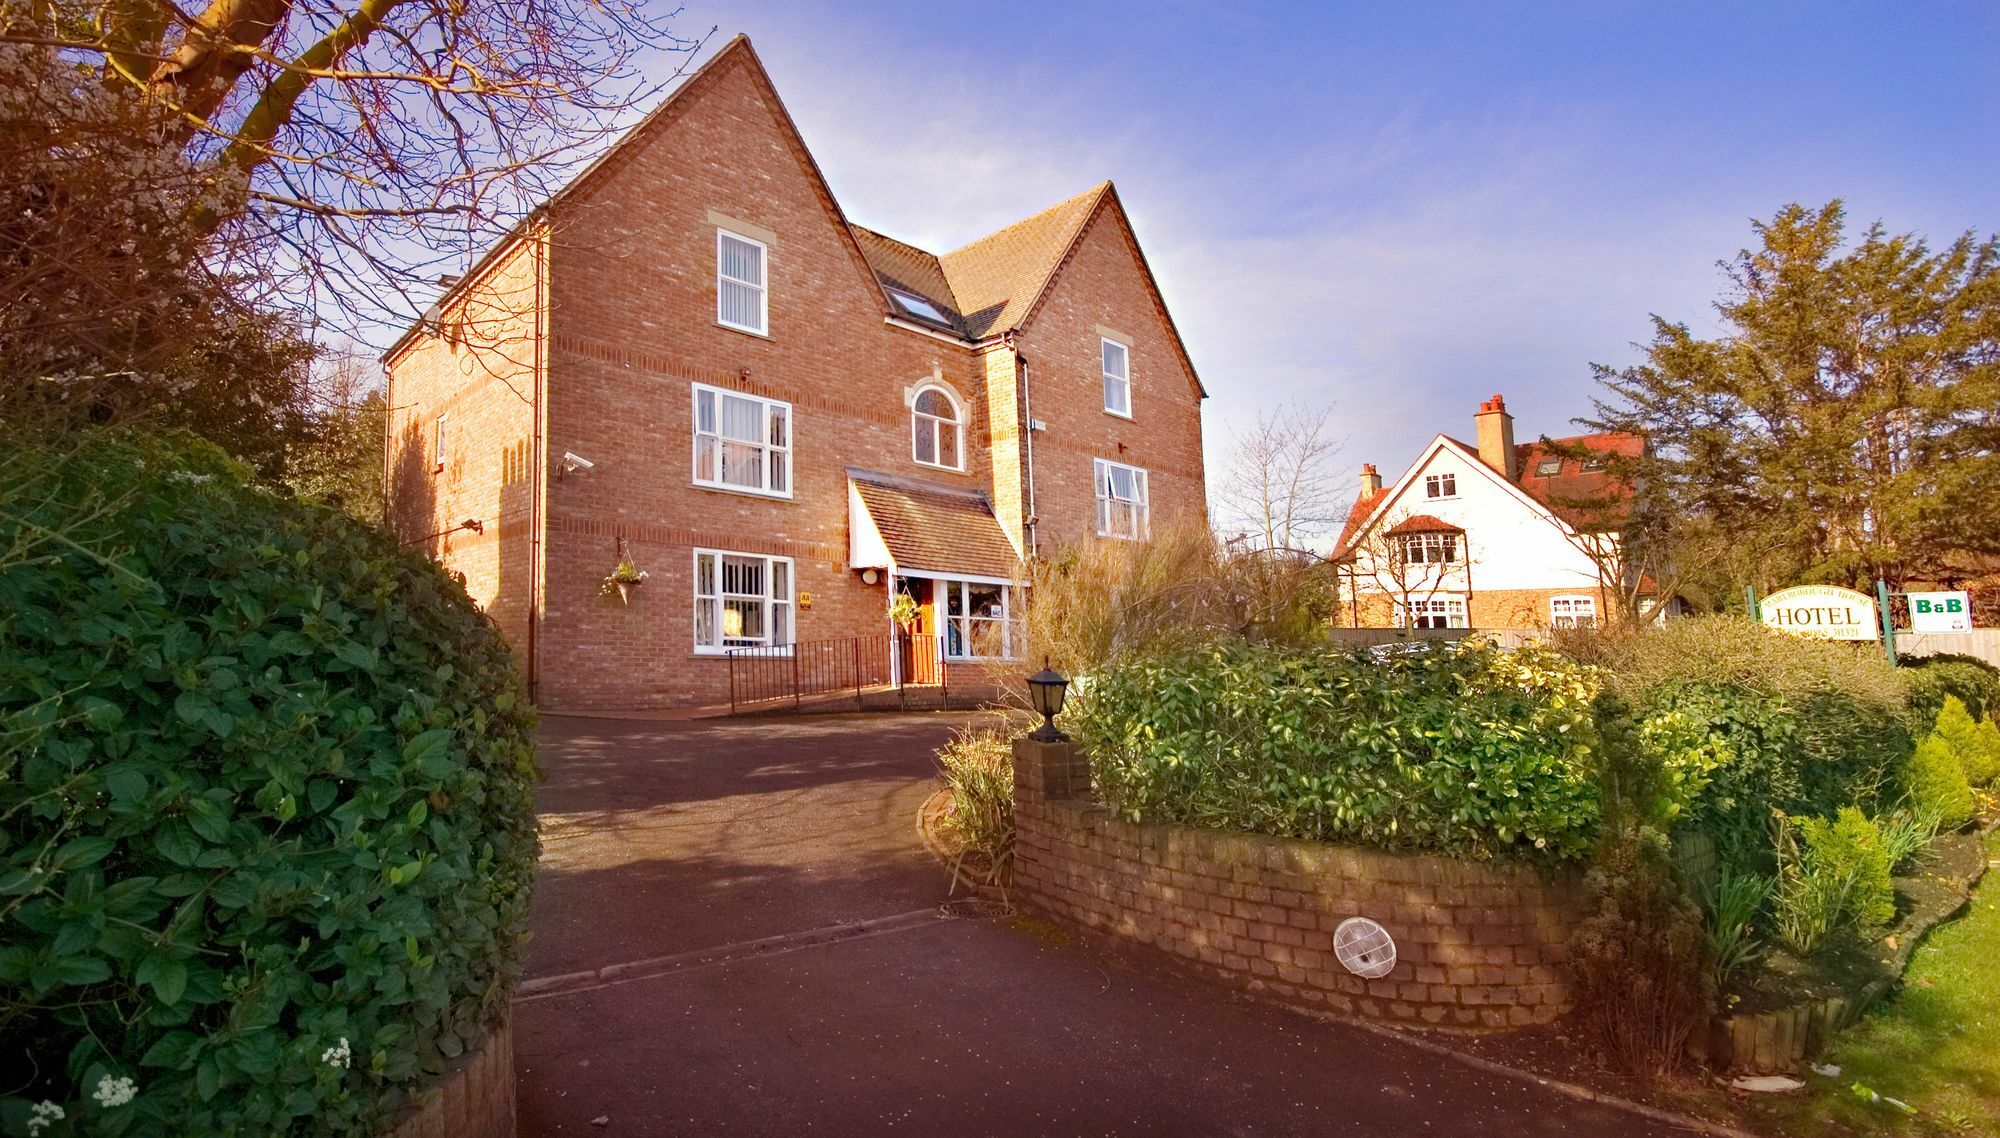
[926,526]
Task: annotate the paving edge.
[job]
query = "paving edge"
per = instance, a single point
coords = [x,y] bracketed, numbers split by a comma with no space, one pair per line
[1568,1089]
[569,983]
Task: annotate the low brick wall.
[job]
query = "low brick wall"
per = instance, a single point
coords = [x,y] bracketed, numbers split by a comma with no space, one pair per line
[474,1098]
[1479,945]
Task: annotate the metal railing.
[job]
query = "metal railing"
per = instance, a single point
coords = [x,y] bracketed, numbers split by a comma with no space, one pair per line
[862,665]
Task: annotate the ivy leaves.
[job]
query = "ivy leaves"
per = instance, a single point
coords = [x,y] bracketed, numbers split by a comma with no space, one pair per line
[264,786]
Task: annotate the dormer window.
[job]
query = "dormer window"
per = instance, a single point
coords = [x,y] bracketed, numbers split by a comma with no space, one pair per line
[1441,486]
[1594,462]
[1549,467]
[937,435]
[741,300]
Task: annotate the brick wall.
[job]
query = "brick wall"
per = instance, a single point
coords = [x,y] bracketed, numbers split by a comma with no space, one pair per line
[473,1099]
[1479,944]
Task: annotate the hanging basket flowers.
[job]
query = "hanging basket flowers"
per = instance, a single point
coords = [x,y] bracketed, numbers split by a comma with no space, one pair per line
[622,580]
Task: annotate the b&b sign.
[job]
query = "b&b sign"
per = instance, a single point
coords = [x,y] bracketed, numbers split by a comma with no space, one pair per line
[1827,612]
[1940,612]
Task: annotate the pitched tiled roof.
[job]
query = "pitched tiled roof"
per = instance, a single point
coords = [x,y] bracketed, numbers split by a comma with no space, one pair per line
[1587,498]
[899,265]
[996,279]
[1364,505]
[936,528]
[1423,523]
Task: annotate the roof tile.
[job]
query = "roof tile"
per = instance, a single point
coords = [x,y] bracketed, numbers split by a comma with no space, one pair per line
[936,528]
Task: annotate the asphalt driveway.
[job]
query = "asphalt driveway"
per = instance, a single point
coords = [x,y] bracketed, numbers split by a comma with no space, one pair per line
[736,933]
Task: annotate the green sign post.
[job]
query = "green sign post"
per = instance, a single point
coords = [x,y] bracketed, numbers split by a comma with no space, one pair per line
[1888,624]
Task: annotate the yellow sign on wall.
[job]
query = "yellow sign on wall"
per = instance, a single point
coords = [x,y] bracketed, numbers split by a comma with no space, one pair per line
[1827,612]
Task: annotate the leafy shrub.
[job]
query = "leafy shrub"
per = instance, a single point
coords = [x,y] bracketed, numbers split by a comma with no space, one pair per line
[1457,748]
[1934,784]
[266,836]
[978,769]
[1787,722]
[1640,964]
[1929,679]
[1733,907]
[1836,880]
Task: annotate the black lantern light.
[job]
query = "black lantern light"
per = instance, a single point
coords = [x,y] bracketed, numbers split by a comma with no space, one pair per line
[1048,687]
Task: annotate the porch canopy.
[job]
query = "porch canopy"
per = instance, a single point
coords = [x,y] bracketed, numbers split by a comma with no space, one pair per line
[898,523]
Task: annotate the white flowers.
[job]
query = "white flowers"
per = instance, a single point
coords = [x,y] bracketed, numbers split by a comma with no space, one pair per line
[112,1092]
[41,1115]
[339,1055]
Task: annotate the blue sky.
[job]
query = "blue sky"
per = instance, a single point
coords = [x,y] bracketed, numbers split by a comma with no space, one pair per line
[1398,210]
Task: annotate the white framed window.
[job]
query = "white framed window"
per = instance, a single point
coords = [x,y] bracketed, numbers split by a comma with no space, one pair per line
[742,442]
[1430,548]
[741,299]
[937,435]
[741,600]
[440,441]
[978,622]
[1117,377]
[1572,612]
[1432,612]
[1441,486]
[1121,501]
[1549,467]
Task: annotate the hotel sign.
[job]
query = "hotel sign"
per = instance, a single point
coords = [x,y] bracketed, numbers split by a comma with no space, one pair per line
[1826,612]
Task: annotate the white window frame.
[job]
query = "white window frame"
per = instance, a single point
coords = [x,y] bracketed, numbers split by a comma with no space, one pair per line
[773,603]
[440,450]
[1142,500]
[772,452]
[1431,547]
[1450,608]
[762,287]
[1441,485]
[967,626]
[1124,381]
[1573,611]
[921,421]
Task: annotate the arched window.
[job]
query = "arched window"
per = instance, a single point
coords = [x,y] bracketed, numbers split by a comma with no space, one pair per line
[936,435]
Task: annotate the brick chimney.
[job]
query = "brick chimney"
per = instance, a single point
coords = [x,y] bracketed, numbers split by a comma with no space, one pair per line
[1496,437]
[1371,482]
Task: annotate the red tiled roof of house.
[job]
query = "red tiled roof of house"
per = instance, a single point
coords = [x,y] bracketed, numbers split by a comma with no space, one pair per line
[997,278]
[1423,523]
[902,266]
[1357,516]
[936,528]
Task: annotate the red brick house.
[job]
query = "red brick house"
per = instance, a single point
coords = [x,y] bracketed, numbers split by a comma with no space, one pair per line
[691,360]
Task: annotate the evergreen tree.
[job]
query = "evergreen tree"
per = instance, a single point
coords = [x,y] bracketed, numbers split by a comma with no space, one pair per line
[1845,425]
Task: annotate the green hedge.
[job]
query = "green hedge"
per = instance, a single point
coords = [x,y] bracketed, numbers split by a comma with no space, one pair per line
[1931,679]
[266,836]
[1461,749]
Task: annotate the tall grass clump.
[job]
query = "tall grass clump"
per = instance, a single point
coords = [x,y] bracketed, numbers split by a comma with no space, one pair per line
[977,766]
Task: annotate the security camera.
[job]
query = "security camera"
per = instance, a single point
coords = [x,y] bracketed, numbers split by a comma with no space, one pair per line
[573,463]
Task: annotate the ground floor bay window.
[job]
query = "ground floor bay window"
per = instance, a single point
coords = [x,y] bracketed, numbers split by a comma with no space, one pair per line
[1572,612]
[972,619]
[1431,612]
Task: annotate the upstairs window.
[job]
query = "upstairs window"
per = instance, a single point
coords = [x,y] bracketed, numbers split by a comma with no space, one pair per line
[1549,467]
[440,442]
[1430,548]
[1121,501]
[740,300]
[1117,378]
[1595,462]
[937,435]
[1572,612]
[742,442]
[1441,486]
[741,600]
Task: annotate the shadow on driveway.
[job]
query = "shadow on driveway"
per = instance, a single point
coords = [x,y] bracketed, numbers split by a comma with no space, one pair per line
[663,838]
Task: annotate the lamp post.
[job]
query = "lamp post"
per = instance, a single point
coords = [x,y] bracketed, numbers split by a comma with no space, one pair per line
[1048,688]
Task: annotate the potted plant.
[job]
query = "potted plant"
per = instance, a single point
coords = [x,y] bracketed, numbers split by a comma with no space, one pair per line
[623,579]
